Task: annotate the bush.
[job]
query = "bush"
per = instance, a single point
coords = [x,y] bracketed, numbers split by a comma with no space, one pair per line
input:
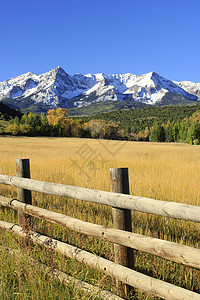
[196,142]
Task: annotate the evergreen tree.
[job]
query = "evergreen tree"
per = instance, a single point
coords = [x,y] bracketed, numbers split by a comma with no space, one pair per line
[168,132]
[158,133]
[175,131]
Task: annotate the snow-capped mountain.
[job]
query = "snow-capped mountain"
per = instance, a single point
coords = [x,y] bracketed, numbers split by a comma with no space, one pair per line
[52,88]
[57,88]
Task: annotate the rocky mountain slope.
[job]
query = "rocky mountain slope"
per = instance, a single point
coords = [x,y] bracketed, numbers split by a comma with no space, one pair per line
[57,88]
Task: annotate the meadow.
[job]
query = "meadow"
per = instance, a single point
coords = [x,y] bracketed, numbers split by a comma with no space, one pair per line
[169,172]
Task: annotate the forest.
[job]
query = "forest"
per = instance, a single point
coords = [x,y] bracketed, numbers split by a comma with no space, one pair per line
[154,124]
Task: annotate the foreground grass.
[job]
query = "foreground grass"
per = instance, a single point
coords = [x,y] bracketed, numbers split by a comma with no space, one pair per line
[161,171]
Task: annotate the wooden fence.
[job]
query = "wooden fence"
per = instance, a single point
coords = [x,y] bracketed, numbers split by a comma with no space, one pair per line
[125,241]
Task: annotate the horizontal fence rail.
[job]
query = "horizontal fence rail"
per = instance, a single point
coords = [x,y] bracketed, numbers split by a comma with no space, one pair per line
[172,251]
[124,274]
[142,204]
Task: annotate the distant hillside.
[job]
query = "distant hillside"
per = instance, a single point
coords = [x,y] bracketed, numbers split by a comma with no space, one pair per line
[135,120]
[6,114]
[27,105]
[106,106]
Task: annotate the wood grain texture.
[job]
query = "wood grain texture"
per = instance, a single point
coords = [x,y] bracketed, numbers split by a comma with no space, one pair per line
[23,195]
[119,183]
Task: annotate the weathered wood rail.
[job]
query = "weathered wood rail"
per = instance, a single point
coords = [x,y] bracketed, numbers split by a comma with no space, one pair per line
[142,204]
[172,251]
[176,252]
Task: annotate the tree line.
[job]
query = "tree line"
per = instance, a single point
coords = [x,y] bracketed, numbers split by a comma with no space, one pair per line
[169,124]
[57,123]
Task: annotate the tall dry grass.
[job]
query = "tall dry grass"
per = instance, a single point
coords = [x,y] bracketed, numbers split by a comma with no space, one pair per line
[168,172]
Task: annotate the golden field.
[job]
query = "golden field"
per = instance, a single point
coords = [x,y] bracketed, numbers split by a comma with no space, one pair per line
[161,171]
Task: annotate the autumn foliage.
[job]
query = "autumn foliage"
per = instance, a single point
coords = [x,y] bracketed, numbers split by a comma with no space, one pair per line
[58,123]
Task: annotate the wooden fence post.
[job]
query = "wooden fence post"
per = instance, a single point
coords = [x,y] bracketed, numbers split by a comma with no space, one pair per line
[122,220]
[23,170]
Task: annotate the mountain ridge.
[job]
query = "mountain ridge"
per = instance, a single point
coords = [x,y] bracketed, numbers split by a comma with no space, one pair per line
[57,88]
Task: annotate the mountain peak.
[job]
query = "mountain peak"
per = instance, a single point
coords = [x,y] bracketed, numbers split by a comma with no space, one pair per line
[151,75]
[60,75]
[155,75]
[60,70]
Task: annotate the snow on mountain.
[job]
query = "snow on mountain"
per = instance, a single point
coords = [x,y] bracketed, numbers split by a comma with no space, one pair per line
[57,88]
[52,88]
[191,87]
[151,88]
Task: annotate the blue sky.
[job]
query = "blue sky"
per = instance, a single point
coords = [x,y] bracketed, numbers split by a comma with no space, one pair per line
[93,36]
